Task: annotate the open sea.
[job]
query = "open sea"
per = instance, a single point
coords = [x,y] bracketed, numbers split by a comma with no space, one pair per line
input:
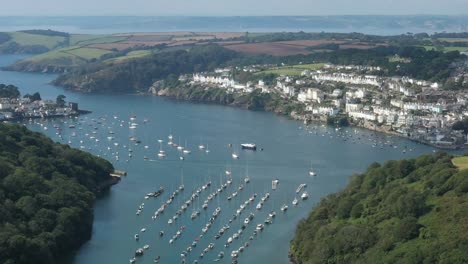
[380,25]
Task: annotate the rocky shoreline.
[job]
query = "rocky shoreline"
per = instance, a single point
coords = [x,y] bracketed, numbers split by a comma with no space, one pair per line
[306,118]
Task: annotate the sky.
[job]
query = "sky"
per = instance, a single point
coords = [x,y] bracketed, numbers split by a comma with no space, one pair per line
[231,7]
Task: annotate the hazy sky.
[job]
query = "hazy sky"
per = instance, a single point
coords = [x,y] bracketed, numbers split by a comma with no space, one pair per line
[231,7]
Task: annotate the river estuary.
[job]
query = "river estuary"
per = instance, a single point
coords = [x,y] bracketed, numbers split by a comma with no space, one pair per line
[289,151]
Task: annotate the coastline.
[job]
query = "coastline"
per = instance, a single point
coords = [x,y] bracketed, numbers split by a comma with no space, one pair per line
[306,118]
[23,117]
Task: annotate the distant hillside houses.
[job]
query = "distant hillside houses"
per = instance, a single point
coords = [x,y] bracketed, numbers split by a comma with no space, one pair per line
[347,78]
[352,67]
[23,107]
[223,82]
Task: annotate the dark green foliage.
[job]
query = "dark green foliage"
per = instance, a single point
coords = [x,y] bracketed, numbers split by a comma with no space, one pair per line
[47,32]
[461,125]
[9,91]
[60,101]
[140,74]
[13,47]
[34,97]
[255,100]
[4,37]
[46,195]
[408,211]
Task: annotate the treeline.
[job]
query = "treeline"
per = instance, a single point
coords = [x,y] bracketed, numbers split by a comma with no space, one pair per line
[140,74]
[9,91]
[47,32]
[450,35]
[407,211]
[399,40]
[15,48]
[422,64]
[47,192]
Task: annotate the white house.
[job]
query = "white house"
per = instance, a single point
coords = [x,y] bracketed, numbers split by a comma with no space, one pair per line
[353,107]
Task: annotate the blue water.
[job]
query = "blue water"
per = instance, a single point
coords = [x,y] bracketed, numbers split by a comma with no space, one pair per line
[288,153]
[381,25]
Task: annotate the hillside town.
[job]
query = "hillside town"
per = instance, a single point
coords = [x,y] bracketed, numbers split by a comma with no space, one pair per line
[416,109]
[12,109]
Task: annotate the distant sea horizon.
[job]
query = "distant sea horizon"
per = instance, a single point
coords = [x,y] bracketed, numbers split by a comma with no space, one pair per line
[369,24]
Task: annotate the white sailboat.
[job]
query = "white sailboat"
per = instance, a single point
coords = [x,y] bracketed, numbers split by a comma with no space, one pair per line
[186,151]
[161,153]
[311,171]
[295,201]
[247,178]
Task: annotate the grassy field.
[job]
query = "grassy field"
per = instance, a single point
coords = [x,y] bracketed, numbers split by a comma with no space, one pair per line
[447,49]
[69,56]
[96,39]
[87,53]
[294,70]
[461,49]
[133,54]
[461,162]
[454,39]
[34,39]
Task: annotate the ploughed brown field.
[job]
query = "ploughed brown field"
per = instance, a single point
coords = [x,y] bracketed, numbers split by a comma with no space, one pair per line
[293,47]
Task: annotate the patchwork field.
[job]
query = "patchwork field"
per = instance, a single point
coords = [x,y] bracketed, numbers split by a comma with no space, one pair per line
[293,47]
[78,49]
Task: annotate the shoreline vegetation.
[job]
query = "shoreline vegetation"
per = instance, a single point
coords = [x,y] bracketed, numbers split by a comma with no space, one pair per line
[47,194]
[406,211]
[163,63]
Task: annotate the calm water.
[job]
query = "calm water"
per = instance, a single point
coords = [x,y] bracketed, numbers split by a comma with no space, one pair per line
[288,153]
[381,25]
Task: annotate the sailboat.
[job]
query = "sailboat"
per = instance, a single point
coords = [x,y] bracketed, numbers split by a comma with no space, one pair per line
[201,146]
[182,187]
[247,178]
[186,151]
[295,201]
[311,171]
[235,155]
[161,153]
[179,147]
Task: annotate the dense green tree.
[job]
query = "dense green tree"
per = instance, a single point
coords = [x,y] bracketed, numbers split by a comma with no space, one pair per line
[46,195]
[60,101]
[408,211]
[9,91]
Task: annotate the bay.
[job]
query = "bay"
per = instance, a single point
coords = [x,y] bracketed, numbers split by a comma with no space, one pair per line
[289,151]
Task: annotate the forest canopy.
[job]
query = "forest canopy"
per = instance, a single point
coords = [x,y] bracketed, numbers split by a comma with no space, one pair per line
[407,211]
[46,195]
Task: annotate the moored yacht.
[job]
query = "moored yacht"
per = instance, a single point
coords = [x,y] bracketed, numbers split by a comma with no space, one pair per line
[295,201]
[249,146]
[284,208]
